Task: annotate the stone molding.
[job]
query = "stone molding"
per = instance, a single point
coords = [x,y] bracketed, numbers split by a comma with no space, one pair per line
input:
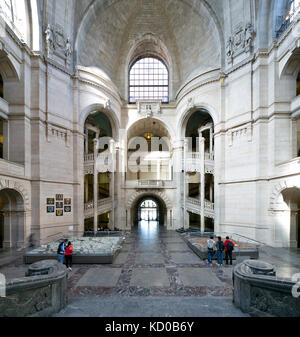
[14,185]
[160,195]
[242,131]
[56,132]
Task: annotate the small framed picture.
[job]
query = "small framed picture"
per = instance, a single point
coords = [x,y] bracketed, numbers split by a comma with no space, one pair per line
[67,209]
[60,205]
[68,201]
[59,212]
[50,201]
[50,209]
[59,197]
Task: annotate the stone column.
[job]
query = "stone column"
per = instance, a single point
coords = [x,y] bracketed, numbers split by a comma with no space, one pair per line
[86,146]
[96,188]
[158,170]
[112,152]
[202,180]
[211,143]
[7,230]
[293,229]
[5,140]
[185,183]
[178,172]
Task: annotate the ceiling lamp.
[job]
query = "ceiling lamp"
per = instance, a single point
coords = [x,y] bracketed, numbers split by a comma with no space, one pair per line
[148,135]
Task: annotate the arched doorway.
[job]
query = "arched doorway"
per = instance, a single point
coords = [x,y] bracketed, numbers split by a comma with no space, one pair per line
[148,211]
[98,182]
[199,168]
[12,219]
[287,230]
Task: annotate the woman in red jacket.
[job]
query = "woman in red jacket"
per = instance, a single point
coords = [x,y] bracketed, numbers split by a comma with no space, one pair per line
[68,255]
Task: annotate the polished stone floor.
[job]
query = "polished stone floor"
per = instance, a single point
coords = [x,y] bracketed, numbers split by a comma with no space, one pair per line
[156,275]
[153,262]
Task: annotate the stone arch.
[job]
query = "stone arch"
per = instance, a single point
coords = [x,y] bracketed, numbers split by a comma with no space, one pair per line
[103,107]
[189,110]
[155,118]
[138,195]
[278,188]
[290,65]
[13,185]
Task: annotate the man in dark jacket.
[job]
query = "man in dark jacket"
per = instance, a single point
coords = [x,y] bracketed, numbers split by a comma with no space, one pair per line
[229,246]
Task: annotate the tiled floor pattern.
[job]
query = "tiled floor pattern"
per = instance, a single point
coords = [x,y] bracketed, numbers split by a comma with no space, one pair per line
[156,263]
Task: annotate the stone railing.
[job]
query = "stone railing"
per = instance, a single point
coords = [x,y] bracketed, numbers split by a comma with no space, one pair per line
[89,157]
[192,162]
[151,183]
[194,205]
[41,294]
[104,205]
[258,292]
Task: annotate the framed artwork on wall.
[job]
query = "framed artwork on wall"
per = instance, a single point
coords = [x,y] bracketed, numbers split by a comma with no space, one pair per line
[68,201]
[68,209]
[50,201]
[59,212]
[50,209]
[59,205]
[59,197]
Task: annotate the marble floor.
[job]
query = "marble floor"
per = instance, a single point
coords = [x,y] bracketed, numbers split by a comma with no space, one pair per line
[153,262]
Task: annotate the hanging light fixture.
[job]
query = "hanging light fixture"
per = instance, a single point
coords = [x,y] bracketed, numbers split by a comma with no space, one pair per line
[148,135]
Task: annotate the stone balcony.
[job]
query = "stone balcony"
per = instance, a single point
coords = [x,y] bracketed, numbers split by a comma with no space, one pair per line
[194,205]
[192,162]
[151,184]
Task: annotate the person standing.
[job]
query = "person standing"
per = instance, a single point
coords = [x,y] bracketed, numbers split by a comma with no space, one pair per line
[220,249]
[61,251]
[68,255]
[210,249]
[229,247]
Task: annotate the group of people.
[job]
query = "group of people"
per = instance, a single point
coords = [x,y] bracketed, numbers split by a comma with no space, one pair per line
[65,250]
[219,247]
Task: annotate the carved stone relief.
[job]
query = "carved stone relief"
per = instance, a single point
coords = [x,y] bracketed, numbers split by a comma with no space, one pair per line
[241,41]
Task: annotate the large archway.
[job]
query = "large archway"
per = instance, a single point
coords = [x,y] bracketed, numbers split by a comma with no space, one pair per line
[287,211]
[12,219]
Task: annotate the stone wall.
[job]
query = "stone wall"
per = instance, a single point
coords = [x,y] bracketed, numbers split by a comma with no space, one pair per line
[36,296]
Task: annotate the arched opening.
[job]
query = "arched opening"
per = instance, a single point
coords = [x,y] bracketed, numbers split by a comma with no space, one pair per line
[97,183]
[291,197]
[148,212]
[287,230]
[149,158]
[12,219]
[199,169]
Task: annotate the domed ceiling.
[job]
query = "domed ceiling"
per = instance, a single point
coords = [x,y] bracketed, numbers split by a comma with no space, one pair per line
[110,32]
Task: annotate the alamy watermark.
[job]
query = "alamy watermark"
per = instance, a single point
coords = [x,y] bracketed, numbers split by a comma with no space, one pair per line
[142,155]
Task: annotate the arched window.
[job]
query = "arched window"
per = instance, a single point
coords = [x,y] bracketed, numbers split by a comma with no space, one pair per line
[14,14]
[148,79]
